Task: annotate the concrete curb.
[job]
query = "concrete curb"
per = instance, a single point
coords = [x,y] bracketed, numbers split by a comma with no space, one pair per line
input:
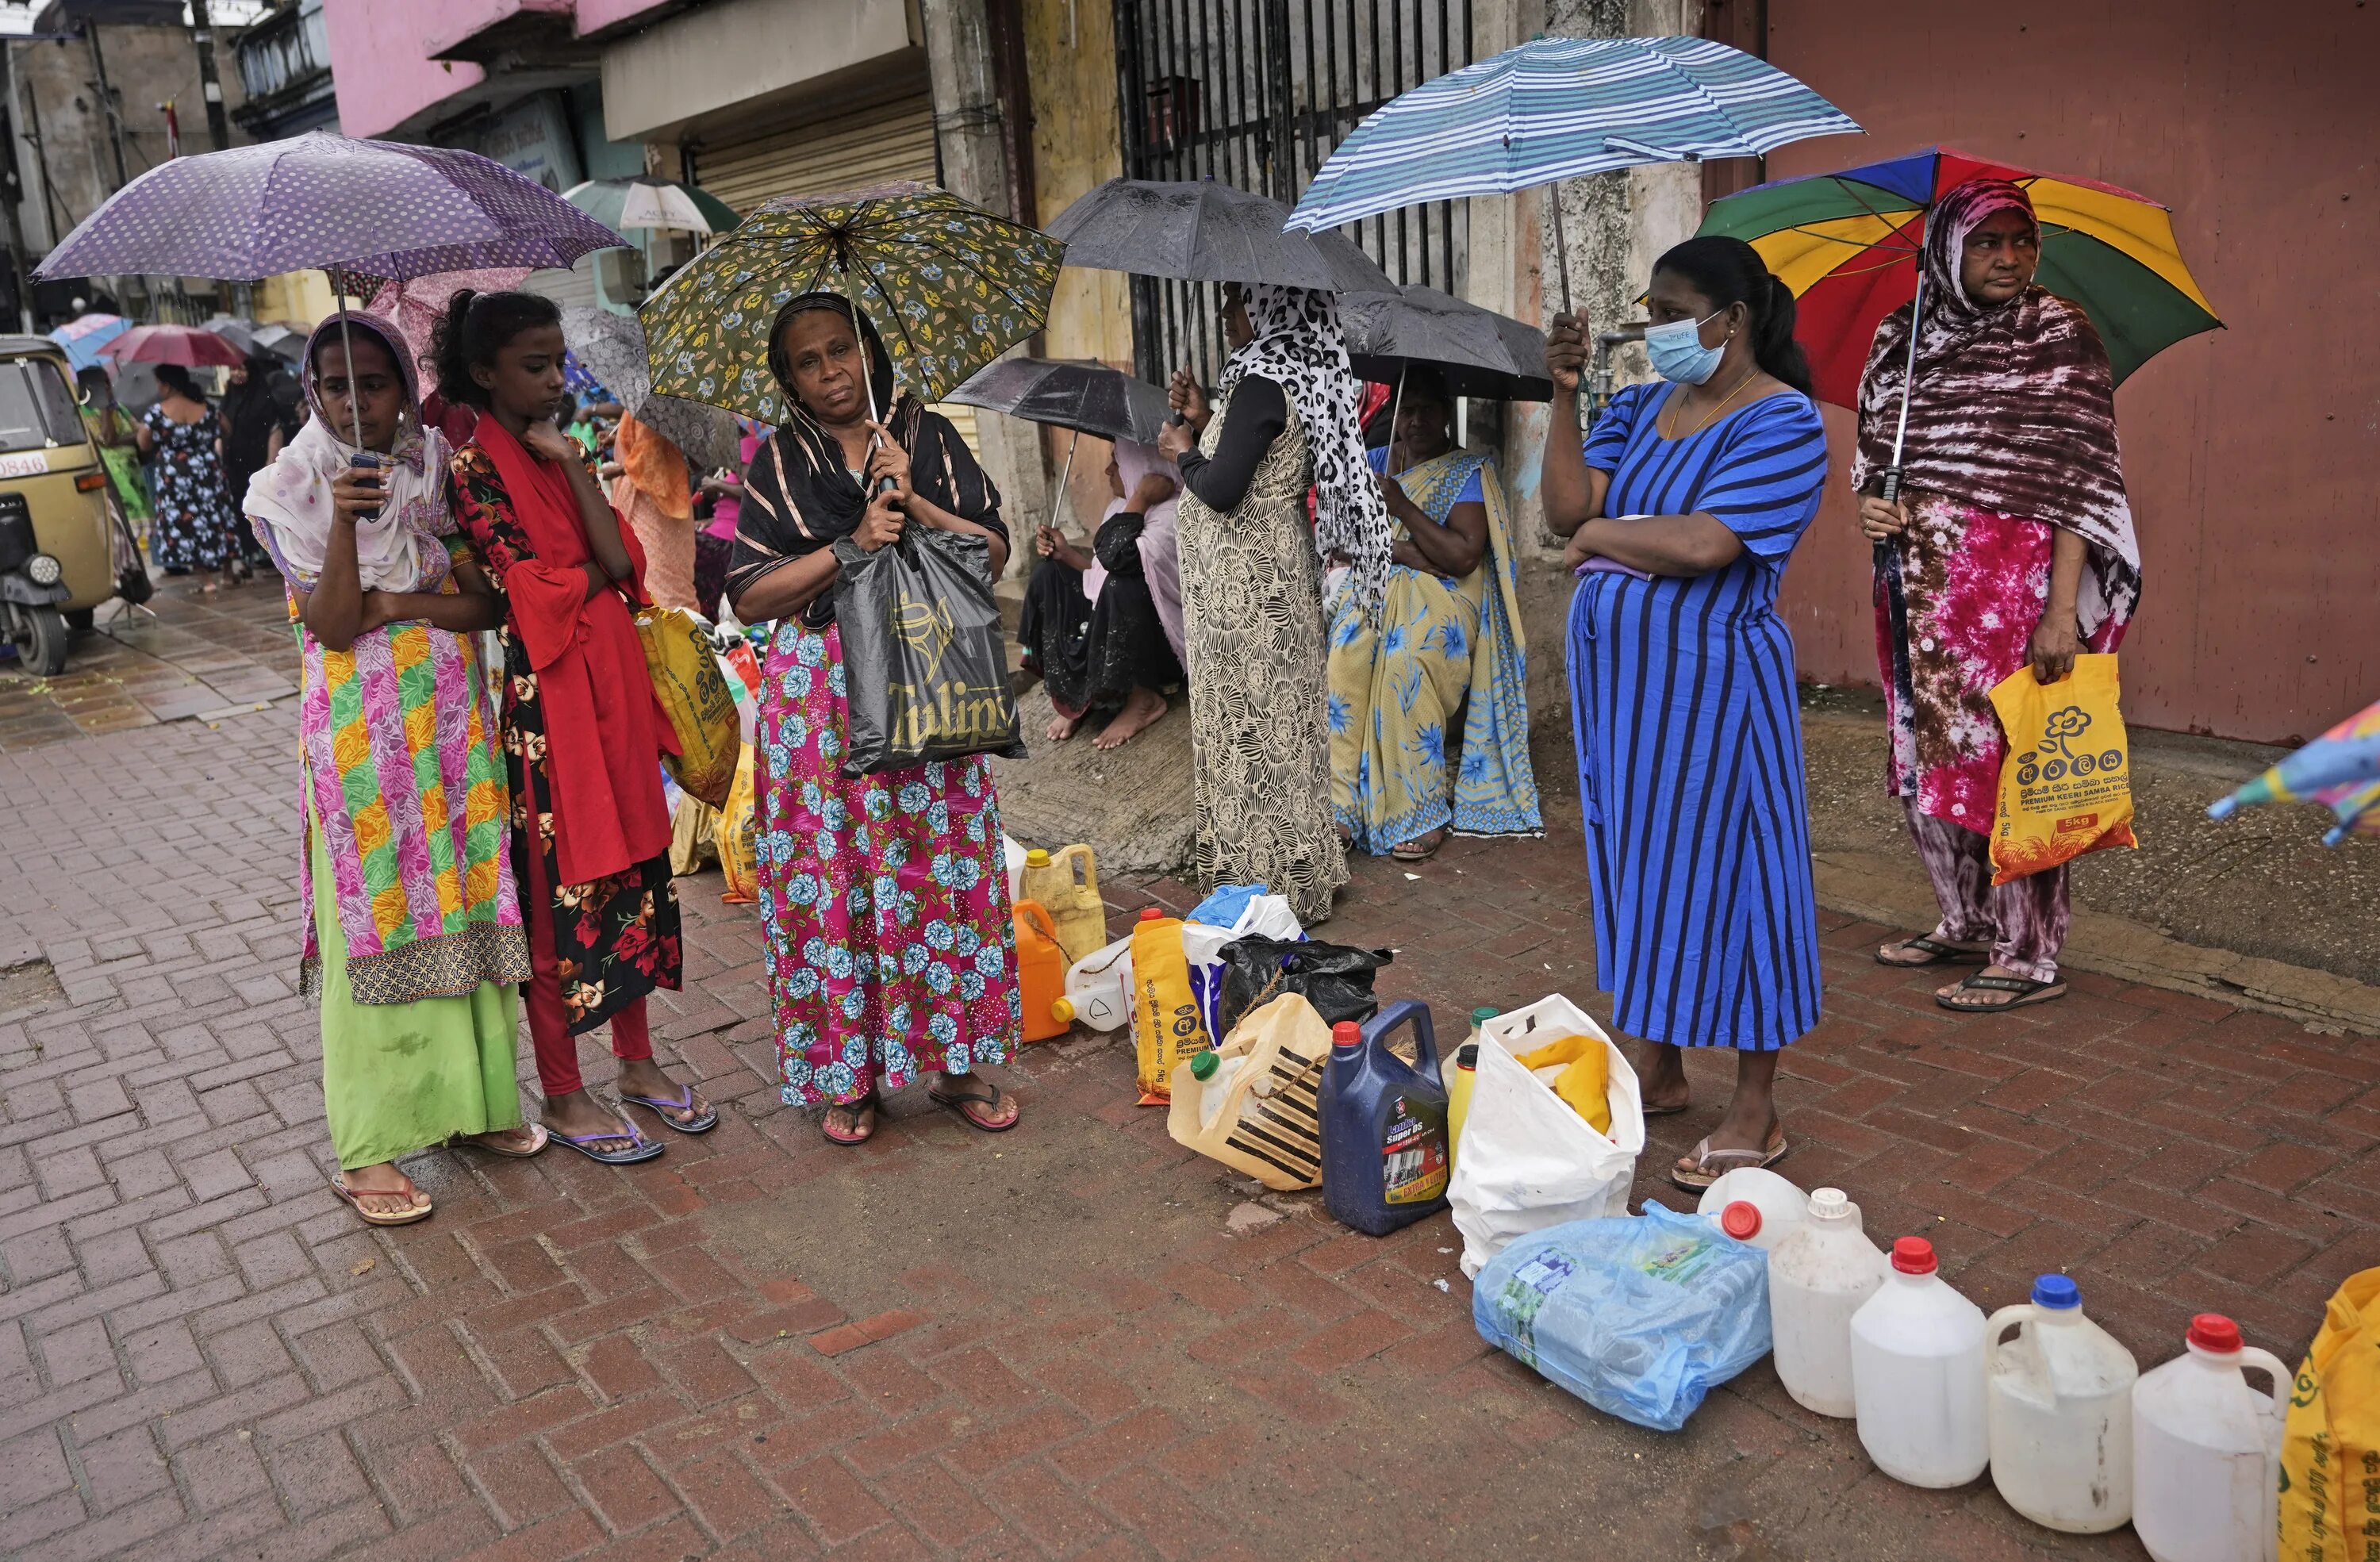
[1883,889]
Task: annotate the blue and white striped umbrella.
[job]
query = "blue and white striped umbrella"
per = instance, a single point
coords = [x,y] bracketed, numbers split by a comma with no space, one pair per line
[1557,107]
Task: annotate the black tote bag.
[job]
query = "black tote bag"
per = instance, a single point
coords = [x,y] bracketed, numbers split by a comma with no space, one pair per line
[924,661]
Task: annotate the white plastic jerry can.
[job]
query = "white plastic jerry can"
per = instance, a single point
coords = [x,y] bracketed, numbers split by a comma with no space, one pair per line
[1099,988]
[2206,1450]
[1773,1208]
[1917,1375]
[2059,1402]
[1818,1276]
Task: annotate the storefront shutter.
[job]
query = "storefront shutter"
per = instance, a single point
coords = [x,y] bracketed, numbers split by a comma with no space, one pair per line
[893,140]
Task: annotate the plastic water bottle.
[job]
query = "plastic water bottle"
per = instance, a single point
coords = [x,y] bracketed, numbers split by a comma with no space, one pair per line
[1773,1210]
[2059,1400]
[2206,1450]
[1818,1276]
[1917,1375]
[1214,1076]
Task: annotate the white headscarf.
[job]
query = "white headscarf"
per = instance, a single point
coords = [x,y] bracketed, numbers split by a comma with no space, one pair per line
[289,500]
[1298,346]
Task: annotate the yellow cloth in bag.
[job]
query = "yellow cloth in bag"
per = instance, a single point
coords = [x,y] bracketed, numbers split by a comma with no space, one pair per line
[738,838]
[1585,1078]
[2330,1450]
[1166,1028]
[2066,786]
[693,694]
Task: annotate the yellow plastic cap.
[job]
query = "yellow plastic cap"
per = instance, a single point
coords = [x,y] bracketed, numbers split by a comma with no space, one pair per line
[1063,1010]
[1037,858]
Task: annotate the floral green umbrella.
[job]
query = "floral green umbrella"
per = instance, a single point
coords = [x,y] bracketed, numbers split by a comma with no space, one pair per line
[948,285]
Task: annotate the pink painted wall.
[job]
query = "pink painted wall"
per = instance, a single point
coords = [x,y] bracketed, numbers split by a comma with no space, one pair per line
[377,66]
[594,15]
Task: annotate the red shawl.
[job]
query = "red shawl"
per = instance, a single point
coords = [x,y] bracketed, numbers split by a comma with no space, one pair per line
[602,730]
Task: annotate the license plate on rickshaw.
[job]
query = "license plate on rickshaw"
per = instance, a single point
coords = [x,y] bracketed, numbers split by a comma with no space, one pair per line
[28,463]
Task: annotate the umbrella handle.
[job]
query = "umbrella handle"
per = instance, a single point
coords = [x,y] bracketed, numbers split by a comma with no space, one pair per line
[1890,492]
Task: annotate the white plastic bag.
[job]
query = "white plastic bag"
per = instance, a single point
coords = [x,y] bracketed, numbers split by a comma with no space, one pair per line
[1527,1161]
[1265,917]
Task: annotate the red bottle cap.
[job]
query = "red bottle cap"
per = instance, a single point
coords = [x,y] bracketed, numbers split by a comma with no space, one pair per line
[1152,914]
[1346,1032]
[2213,1331]
[1741,1219]
[1914,1255]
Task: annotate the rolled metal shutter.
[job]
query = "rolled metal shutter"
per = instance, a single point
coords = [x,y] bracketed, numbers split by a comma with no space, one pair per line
[876,146]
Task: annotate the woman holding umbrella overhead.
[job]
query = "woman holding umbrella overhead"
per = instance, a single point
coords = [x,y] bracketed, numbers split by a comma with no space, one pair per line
[581,735]
[1682,511]
[891,950]
[1251,593]
[2010,545]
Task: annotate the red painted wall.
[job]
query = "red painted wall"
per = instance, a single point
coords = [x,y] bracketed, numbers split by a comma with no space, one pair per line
[2253,453]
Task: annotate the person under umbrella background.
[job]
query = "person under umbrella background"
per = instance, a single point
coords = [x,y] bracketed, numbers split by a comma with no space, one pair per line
[1681,511]
[1449,641]
[1104,628]
[892,950]
[256,423]
[2010,544]
[1251,591]
[114,431]
[412,938]
[198,529]
[582,735]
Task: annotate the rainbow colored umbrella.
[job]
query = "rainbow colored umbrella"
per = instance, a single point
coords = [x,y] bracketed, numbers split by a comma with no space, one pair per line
[1847,245]
[2339,770]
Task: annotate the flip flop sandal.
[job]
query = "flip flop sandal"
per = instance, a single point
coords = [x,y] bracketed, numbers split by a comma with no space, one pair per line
[1936,952]
[960,1104]
[641,1148]
[1665,1111]
[539,1139]
[373,1217]
[1696,1181]
[704,1123]
[867,1104]
[2027,991]
[1415,851]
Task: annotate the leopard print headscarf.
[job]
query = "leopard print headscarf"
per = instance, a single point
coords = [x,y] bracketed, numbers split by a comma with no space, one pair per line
[1298,346]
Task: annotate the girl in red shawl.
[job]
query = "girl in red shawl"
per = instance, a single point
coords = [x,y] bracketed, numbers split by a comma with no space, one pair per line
[581,735]
[2010,546]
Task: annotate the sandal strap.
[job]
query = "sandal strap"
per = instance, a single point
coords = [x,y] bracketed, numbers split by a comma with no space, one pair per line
[958,1098]
[2019,985]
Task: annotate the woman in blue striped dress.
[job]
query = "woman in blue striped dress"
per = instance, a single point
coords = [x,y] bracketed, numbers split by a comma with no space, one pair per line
[1681,511]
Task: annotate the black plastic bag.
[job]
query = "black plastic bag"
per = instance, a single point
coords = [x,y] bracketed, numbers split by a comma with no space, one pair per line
[925,664]
[1334,978]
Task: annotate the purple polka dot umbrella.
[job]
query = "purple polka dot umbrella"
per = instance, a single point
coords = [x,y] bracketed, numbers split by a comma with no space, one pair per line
[361,211]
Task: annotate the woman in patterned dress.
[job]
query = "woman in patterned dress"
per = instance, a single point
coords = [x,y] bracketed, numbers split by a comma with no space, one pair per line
[413,932]
[1252,593]
[196,523]
[1681,511]
[1449,643]
[2010,545]
[891,949]
[582,743]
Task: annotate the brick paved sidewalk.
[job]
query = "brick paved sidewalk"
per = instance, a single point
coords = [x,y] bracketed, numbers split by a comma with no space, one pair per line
[1043,1344]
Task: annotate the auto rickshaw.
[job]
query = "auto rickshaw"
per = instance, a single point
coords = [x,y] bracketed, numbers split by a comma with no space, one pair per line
[56,524]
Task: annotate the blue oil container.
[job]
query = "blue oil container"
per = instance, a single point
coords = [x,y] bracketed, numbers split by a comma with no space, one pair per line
[1384,1145]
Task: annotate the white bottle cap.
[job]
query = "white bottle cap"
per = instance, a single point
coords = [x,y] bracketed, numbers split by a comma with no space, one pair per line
[1829,1204]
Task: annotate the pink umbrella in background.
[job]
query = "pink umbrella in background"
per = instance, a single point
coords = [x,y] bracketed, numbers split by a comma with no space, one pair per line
[188,346]
[416,302]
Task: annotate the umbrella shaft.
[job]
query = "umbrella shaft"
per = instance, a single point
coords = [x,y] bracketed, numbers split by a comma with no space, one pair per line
[1909,373]
[1058,494]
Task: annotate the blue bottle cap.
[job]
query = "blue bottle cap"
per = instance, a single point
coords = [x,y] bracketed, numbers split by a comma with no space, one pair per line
[2055,1291]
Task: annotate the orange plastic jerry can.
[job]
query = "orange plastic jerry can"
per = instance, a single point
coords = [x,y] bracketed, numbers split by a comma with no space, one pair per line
[1041,973]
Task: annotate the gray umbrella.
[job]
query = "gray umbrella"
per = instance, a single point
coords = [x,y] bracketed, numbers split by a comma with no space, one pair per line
[1479,352]
[1089,398]
[612,348]
[238,332]
[1200,231]
[279,338]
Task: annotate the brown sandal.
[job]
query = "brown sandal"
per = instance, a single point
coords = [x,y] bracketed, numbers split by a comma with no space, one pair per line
[1420,849]
[356,1196]
[1702,1176]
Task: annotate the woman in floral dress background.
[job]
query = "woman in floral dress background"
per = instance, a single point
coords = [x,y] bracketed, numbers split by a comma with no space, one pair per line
[196,525]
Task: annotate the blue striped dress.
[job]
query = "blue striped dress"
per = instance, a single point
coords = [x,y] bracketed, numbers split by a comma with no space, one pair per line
[1689,742]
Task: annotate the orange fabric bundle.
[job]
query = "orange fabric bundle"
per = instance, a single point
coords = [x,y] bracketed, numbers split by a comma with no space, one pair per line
[656,466]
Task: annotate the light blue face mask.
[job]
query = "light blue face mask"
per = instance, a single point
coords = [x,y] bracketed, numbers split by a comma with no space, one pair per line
[1678,353]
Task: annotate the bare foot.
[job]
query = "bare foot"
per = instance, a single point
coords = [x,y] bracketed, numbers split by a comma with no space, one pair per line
[1142,712]
[383,1189]
[577,1115]
[1663,1070]
[1061,727]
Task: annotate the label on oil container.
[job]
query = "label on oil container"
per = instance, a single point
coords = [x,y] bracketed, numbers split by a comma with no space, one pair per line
[1412,1153]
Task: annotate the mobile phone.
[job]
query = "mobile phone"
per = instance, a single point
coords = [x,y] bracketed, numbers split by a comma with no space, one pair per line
[363,464]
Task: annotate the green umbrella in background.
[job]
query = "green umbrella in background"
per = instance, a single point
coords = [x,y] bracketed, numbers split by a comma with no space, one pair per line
[622,204]
[948,285]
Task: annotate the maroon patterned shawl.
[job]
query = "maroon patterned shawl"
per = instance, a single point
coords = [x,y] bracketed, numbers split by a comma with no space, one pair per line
[2014,409]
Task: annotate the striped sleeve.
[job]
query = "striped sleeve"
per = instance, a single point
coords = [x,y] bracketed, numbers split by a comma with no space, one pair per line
[1608,440]
[1764,486]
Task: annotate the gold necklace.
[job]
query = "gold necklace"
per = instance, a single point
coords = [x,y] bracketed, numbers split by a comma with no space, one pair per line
[1707,419]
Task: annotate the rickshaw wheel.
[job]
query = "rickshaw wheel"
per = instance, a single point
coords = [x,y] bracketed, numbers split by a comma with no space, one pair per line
[44,646]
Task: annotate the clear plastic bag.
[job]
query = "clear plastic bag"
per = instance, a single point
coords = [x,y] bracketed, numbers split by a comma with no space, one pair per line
[1639,1315]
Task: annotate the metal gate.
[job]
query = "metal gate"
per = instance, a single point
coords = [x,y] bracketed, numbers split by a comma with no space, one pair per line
[1255,93]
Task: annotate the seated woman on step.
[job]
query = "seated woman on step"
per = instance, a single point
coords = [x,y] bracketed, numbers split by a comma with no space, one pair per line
[1104,629]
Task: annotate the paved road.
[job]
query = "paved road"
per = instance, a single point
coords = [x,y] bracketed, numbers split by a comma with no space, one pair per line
[947,1345]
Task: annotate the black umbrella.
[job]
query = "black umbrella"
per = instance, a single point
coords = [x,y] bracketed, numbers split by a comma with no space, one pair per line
[1200,231]
[1089,398]
[1479,352]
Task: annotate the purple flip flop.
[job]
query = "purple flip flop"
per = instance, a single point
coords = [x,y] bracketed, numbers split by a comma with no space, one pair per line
[685,1102]
[643,1149]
